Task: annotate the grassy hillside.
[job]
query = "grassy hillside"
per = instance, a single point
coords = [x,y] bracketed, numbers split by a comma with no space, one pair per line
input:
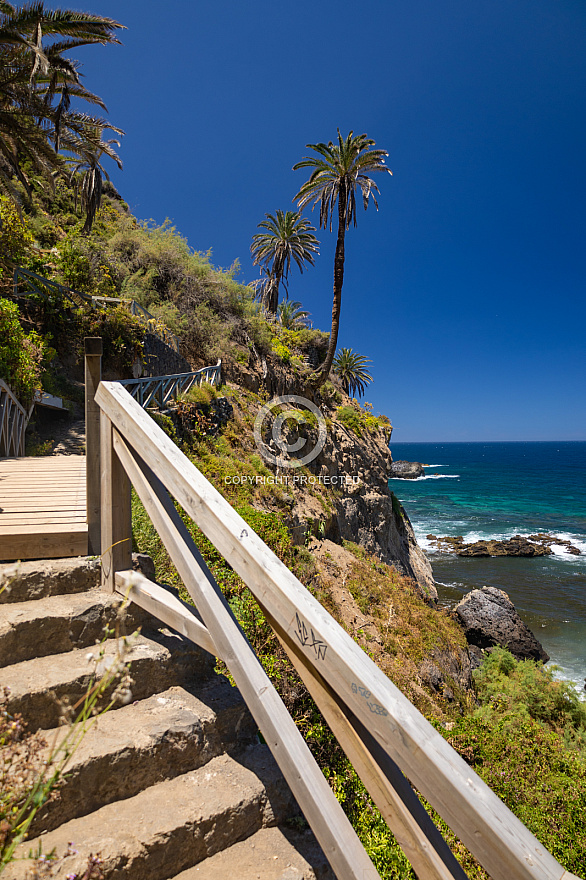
[521,731]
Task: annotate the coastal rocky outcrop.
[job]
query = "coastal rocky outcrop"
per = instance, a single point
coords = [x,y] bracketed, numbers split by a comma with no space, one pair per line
[367,512]
[518,545]
[489,618]
[364,510]
[406,470]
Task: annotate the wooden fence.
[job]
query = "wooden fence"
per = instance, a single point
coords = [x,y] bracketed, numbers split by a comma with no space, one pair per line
[13,421]
[389,743]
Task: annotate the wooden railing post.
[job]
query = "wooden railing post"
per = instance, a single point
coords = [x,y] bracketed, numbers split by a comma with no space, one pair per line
[93,377]
[116,517]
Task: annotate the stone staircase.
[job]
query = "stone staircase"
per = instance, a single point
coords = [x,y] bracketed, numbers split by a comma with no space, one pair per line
[174,784]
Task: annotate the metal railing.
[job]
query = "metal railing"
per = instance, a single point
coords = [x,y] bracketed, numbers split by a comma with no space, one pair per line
[36,283]
[160,389]
[154,325]
[388,741]
[13,421]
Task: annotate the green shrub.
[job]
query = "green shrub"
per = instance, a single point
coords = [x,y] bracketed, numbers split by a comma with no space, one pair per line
[22,355]
[529,689]
[361,420]
[16,236]
[122,335]
[202,394]
[166,424]
[281,350]
[527,765]
[349,416]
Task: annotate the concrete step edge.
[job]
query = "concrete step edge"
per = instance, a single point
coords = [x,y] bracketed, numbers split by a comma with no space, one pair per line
[173,825]
[275,853]
[145,743]
[60,623]
[41,689]
[32,579]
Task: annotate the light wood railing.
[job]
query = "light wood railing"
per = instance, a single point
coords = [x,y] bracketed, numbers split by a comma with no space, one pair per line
[389,743]
[13,421]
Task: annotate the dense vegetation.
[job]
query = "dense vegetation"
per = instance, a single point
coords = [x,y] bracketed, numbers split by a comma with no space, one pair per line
[523,732]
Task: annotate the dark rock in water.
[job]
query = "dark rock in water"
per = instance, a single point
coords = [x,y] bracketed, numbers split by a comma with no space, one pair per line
[518,545]
[489,618]
[406,470]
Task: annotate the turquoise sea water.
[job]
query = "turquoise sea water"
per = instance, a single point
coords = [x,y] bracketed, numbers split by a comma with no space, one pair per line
[497,490]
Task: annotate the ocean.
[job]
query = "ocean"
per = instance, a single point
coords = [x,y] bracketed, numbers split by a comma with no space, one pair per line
[497,490]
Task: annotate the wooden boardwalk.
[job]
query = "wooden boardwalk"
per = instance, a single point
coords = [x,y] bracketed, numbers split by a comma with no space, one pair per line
[43,507]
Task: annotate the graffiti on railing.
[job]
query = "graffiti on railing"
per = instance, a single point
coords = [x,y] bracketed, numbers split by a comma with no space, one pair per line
[307,638]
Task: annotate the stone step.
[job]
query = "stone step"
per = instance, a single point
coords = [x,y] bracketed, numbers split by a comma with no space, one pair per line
[173,825]
[144,743]
[54,625]
[41,687]
[270,854]
[37,578]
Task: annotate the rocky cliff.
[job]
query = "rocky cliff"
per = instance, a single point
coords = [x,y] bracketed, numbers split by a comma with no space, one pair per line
[355,462]
[366,511]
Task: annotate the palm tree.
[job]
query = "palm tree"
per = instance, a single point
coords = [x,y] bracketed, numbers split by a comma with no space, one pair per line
[288,236]
[37,83]
[351,368]
[291,315]
[338,170]
[90,148]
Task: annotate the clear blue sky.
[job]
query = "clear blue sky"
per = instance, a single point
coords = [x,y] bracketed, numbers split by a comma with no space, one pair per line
[467,287]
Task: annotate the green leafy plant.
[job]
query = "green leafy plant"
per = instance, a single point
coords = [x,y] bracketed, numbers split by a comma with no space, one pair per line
[22,355]
[286,236]
[202,394]
[351,368]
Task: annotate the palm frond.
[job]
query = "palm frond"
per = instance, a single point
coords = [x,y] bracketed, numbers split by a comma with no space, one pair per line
[351,368]
[286,237]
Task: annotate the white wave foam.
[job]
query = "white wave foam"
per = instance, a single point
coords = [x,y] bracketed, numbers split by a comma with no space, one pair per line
[578,541]
[431,477]
[435,465]
[559,551]
[573,676]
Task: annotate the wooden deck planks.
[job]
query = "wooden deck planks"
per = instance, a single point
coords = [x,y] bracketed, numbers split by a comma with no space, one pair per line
[42,507]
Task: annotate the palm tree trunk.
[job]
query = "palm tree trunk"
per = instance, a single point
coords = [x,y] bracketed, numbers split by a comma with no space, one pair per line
[338,282]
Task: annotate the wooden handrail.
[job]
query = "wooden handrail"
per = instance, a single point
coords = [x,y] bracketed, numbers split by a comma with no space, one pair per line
[381,731]
[13,421]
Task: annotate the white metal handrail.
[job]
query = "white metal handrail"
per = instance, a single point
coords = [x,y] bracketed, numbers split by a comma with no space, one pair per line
[160,389]
[13,421]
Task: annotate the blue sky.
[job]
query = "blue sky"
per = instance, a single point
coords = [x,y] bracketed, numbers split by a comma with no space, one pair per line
[466,289]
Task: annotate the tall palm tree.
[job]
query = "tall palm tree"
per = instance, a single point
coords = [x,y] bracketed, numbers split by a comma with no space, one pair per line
[287,236]
[351,368]
[90,148]
[37,83]
[338,171]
